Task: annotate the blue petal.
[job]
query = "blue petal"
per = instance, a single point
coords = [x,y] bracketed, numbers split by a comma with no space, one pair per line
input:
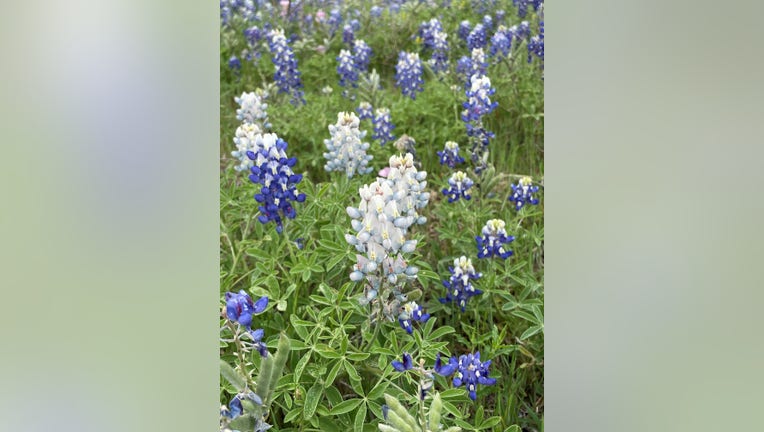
[261,304]
[257,335]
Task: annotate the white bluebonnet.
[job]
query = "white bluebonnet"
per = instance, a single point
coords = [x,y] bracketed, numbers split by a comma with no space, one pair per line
[459,186]
[253,109]
[522,193]
[387,209]
[345,150]
[245,141]
[459,286]
[494,237]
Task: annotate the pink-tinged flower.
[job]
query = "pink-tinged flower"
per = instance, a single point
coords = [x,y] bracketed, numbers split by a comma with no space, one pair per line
[320,49]
[320,16]
[384,172]
[284,7]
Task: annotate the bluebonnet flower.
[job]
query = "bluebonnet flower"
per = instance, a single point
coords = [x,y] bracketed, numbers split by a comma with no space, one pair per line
[478,102]
[439,59]
[348,35]
[335,20]
[447,369]
[427,32]
[346,151]
[522,7]
[387,209]
[364,111]
[240,308]
[471,372]
[536,45]
[487,22]
[383,126]
[500,14]
[494,237]
[253,35]
[287,77]
[234,408]
[522,193]
[244,140]
[234,63]
[459,186]
[347,69]
[464,30]
[459,287]
[408,74]
[523,31]
[375,11]
[362,54]
[407,363]
[273,171]
[501,42]
[253,109]
[450,155]
[477,37]
[411,311]
[464,67]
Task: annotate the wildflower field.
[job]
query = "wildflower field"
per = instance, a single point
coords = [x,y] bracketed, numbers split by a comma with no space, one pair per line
[381,215]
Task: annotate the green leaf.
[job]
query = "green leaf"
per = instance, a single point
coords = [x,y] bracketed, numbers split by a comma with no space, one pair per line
[441,331]
[311,400]
[360,419]
[345,406]
[379,390]
[490,422]
[513,428]
[530,332]
[244,422]
[332,374]
[526,316]
[358,356]
[232,376]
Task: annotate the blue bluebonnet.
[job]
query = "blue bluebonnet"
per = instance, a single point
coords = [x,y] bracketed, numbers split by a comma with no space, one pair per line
[383,126]
[235,409]
[427,32]
[445,369]
[253,35]
[522,31]
[287,77]
[450,155]
[273,171]
[375,11]
[464,29]
[488,22]
[406,364]
[477,37]
[492,240]
[459,286]
[536,45]
[522,7]
[348,35]
[240,307]
[499,15]
[439,60]
[408,74]
[471,372]
[501,42]
[345,150]
[234,63]
[364,111]
[346,68]
[410,312]
[362,54]
[522,193]
[478,102]
[459,186]
[334,21]
[464,67]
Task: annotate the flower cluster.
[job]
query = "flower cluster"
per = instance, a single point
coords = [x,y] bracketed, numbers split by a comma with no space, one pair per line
[234,63]
[334,21]
[240,308]
[411,312]
[464,30]
[252,109]
[406,364]
[536,45]
[287,77]
[347,69]
[434,38]
[522,6]
[478,104]
[477,37]
[346,151]
[364,111]
[494,237]
[273,171]
[348,35]
[383,126]
[522,193]
[459,287]
[501,42]
[427,32]
[245,142]
[408,74]
[470,372]
[362,54]
[450,155]
[459,186]
[388,208]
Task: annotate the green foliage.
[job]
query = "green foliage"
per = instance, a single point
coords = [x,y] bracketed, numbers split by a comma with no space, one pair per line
[330,370]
